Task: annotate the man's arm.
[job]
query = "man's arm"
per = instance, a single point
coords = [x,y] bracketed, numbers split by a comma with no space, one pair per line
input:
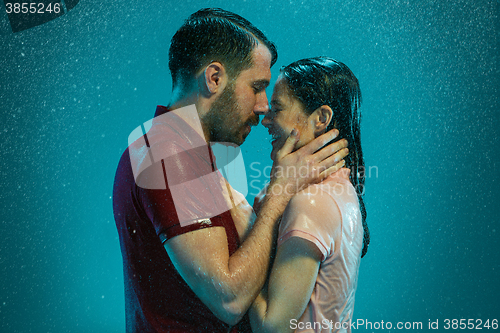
[226,284]
[242,213]
[229,284]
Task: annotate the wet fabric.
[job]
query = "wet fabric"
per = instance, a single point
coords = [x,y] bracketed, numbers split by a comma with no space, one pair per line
[157,298]
[331,306]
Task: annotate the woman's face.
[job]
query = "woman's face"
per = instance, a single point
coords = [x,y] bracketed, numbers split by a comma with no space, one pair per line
[287,113]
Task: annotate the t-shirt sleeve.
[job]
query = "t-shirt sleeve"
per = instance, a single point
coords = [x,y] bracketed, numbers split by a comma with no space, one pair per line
[314,217]
[180,191]
[163,213]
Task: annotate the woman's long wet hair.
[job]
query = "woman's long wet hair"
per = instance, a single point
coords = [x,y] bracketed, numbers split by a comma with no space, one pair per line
[325,81]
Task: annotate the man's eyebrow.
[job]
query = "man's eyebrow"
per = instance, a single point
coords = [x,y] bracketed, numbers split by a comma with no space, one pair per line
[262,83]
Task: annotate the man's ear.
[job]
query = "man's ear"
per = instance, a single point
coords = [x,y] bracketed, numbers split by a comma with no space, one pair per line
[322,117]
[213,79]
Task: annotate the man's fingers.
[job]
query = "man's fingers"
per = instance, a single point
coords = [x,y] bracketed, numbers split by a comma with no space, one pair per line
[320,141]
[330,150]
[289,144]
[332,163]
[331,170]
[334,159]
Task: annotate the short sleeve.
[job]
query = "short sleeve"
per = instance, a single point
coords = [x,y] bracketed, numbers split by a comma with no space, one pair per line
[314,216]
[176,182]
[161,210]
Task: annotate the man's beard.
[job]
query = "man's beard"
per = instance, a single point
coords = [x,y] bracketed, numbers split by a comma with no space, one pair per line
[223,119]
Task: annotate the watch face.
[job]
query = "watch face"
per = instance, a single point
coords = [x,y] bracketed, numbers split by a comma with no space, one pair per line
[29,14]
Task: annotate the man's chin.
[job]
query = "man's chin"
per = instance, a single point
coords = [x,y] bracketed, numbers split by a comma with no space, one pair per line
[239,138]
[238,141]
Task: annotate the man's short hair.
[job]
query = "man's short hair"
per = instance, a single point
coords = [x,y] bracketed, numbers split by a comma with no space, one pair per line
[214,34]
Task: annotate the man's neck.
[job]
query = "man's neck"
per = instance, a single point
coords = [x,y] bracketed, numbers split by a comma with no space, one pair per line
[181,99]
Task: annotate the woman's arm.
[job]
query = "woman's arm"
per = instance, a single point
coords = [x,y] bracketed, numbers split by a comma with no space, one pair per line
[290,287]
[311,222]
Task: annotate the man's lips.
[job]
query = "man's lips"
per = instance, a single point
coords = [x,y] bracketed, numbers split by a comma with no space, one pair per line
[253,122]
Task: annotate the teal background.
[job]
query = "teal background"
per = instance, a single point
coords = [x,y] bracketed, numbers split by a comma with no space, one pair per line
[72,90]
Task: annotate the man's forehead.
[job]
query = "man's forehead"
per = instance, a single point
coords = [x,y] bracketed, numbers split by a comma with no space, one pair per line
[260,71]
[262,56]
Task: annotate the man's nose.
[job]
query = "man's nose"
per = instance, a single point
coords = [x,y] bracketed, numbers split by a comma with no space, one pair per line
[261,104]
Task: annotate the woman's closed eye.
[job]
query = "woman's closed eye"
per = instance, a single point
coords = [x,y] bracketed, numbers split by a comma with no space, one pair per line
[275,110]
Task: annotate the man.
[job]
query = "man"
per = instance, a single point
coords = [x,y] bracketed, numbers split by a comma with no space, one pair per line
[191,265]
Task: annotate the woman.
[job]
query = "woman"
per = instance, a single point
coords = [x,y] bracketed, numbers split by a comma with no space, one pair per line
[323,232]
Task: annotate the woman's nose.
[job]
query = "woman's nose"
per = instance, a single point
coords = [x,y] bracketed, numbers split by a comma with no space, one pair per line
[267,120]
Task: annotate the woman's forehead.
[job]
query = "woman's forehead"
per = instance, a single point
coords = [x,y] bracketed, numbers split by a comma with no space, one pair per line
[282,94]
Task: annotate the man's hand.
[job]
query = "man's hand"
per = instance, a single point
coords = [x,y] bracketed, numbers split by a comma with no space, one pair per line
[295,170]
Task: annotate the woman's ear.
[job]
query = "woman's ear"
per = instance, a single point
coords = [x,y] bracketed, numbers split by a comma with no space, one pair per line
[322,118]
[213,79]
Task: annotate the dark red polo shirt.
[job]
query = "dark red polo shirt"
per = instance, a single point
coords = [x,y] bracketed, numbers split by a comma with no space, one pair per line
[156,297]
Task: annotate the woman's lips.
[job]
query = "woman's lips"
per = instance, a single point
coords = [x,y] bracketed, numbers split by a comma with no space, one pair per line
[274,137]
[275,141]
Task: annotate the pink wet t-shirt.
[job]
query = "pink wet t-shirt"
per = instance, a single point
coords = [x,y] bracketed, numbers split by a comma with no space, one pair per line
[331,306]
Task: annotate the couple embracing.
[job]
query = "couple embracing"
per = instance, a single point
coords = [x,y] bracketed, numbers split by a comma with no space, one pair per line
[196,256]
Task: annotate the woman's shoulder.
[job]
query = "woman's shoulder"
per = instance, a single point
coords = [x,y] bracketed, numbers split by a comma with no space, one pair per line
[339,187]
[316,207]
[313,215]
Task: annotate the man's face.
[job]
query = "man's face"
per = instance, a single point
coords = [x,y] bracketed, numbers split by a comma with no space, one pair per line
[237,109]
